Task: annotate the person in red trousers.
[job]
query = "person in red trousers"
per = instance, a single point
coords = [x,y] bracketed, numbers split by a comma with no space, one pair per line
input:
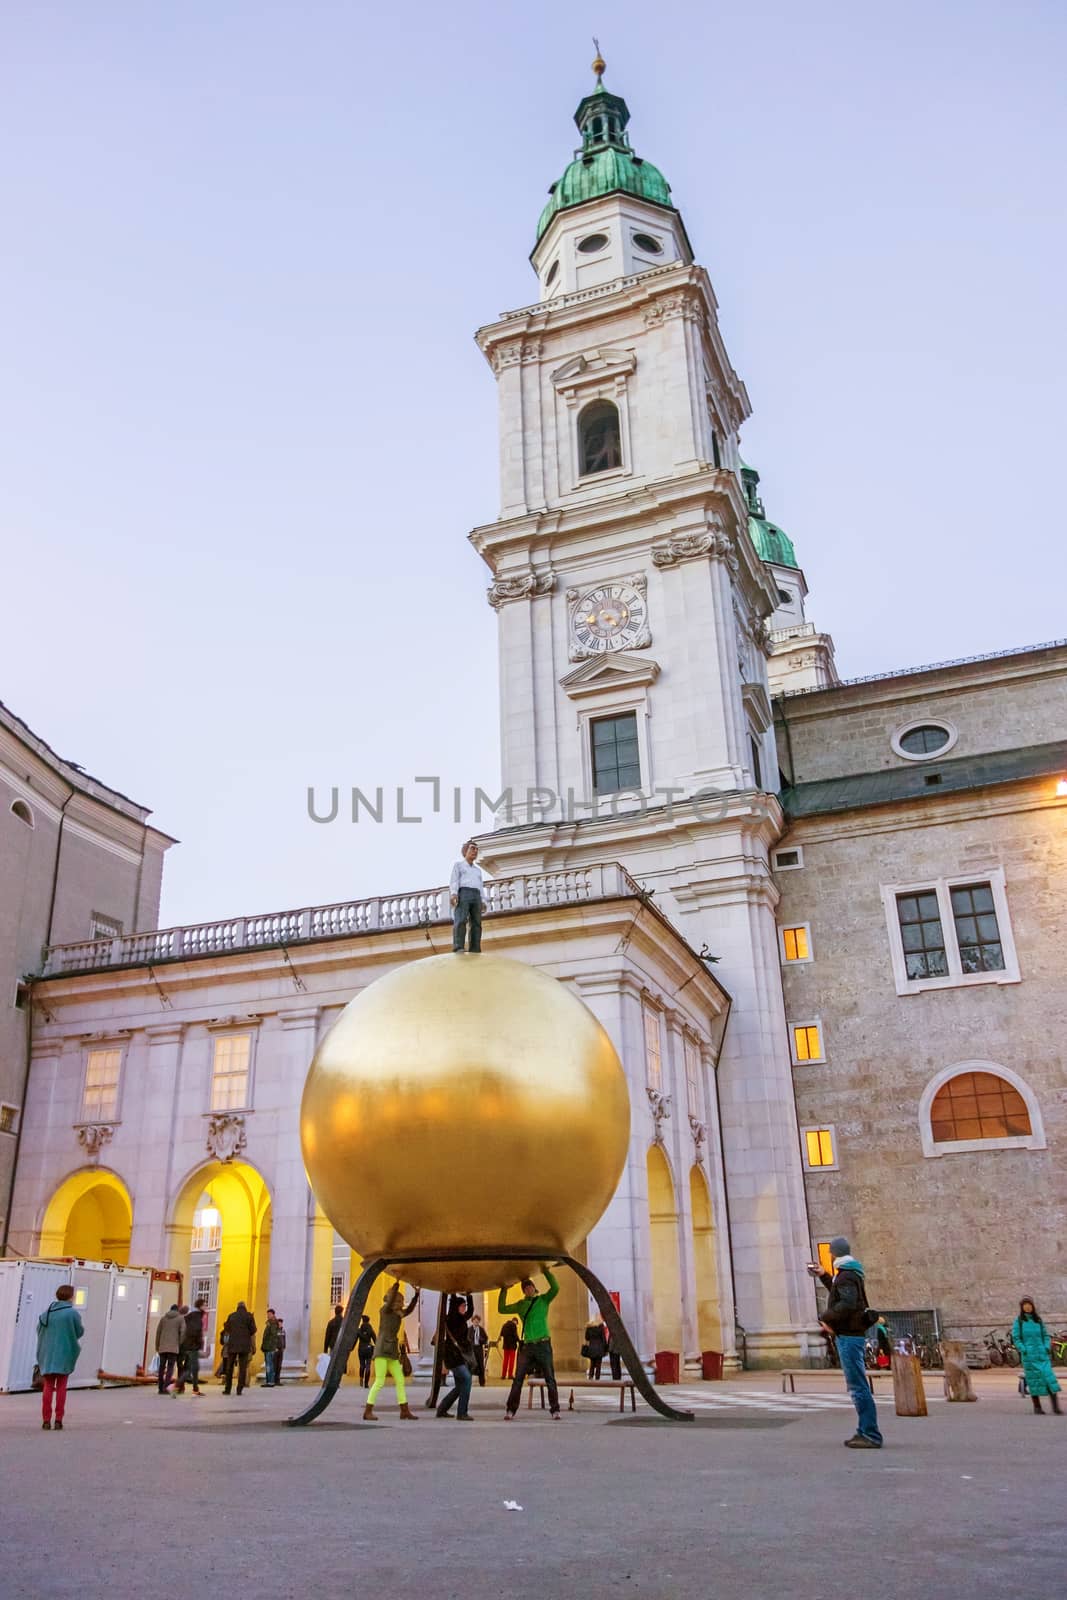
[59,1337]
[509,1344]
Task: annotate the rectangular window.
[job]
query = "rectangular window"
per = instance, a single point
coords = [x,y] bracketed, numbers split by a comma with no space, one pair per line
[100,1100]
[692,1076]
[796,943]
[616,759]
[977,929]
[9,1119]
[101,927]
[202,1290]
[806,1039]
[653,1049]
[951,932]
[819,1147]
[921,935]
[788,860]
[337,1289]
[757,770]
[229,1076]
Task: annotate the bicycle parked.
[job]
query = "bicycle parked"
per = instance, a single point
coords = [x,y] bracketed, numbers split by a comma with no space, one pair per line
[1001,1351]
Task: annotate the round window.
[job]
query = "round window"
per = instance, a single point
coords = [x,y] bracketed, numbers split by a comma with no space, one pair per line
[645,241]
[918,740]
[592,243]
[552,274]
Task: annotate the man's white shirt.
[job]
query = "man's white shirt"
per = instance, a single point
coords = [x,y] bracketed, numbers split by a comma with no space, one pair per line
[465,876]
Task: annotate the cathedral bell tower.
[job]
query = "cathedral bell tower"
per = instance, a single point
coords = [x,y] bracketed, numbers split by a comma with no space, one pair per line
[632,603]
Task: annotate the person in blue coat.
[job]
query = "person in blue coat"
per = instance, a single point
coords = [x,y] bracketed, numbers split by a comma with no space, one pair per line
[1031,1338]
[59,1337]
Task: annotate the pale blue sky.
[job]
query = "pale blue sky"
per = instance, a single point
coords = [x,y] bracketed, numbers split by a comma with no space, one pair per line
[244,428]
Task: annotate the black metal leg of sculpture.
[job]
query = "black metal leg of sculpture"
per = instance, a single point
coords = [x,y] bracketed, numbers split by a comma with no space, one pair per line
[346,1343]
[621,1342]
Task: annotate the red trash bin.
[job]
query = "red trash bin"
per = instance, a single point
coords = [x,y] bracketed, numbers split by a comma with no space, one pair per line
[667,1366]
[711,1364]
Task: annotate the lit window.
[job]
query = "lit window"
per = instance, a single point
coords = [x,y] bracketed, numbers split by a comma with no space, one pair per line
[207,1229]
[616,758]
[978,1105]
[819,1147]
[653,1049]
[692,1076]
[807,1041]
[229,1077]
[825,1256]
[599,438]
[100,1100]
[951,932]
[9,1119]
[796,944]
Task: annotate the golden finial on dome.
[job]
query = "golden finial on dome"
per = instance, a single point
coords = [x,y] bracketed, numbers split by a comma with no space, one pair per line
[599,64]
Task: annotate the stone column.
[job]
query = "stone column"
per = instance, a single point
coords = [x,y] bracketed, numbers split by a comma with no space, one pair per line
[293,1224]
[158,1060]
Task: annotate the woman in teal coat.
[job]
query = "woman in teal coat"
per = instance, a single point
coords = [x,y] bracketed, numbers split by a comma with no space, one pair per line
[59,1337]
[1031,1338]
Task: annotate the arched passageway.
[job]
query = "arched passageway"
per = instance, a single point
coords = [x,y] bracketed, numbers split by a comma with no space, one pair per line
[666,1264]
[219,1240]
[90,1215]
[709,1311]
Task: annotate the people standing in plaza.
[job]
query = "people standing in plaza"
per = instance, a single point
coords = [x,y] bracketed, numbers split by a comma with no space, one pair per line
[848,1318]
[509,1346]
[387,1352]
[170,1331]
[269,1346]
[614,1358]
[1032,1340]
[466,886]
[365,1340]
[192,1344]
[596,1346]
[333,1328]
[457,1358]
[883,1345]
[535,1355]
[279,1354]
[239,1341]
[479,1349]
[59,1337]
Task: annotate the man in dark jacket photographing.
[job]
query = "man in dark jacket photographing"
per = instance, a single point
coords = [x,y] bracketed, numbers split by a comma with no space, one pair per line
[848,1317]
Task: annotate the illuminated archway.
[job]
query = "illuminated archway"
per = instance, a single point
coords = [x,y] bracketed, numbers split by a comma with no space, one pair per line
[234,1246]
[709,1316]
[666,1265]
[90,1215]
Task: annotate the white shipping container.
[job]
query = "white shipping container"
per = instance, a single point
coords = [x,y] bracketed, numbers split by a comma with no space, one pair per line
[27,1288]
[114,1306]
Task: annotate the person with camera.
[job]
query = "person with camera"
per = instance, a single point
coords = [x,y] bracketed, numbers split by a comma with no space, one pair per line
[848,1317]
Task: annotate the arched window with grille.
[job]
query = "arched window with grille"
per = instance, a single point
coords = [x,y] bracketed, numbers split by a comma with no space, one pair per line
[599,438]
[979,1105]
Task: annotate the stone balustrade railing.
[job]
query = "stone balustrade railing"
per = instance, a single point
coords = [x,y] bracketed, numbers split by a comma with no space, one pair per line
[272,929]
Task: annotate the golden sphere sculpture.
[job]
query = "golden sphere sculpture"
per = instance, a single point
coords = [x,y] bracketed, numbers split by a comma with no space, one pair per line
[465,1102]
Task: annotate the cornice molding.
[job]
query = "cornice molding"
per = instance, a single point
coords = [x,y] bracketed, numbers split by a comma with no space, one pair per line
[524,585]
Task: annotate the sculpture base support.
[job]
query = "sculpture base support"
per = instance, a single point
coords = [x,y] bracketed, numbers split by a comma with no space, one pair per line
[375,1265]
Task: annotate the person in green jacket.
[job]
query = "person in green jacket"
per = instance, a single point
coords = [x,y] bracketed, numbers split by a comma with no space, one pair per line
[1031,1338]
[59,1337]
[535,1352]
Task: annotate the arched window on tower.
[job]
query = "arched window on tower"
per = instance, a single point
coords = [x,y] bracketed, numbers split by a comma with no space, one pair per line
[599,439]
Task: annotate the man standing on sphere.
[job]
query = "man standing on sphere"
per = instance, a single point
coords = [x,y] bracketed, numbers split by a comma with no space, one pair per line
[535,1353]
[465,887]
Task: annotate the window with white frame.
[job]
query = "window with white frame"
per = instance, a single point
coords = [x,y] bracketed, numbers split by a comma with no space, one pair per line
[692,1076]
[806,1042]
[788,860]
[819,1146]
[9,1118]
[101,927]
[100,1096]
[795,943]
[230,1071]
[207,1229]
[337,1289]
[950,932]
[974,1106]
[653,1048]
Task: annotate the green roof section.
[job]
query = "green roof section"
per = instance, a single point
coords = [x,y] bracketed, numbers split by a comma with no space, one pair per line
[605,164]
[772,542]
[925,781]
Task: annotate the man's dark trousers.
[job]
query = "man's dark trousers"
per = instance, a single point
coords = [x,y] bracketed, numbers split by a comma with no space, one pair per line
[468,909]
[169,1367]
[535,1358]
[242,1371]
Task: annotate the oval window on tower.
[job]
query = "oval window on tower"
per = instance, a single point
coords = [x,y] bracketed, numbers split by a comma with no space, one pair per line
[592,243]
[645,242]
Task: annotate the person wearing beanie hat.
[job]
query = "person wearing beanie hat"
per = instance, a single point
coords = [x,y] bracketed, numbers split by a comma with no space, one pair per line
[847,1317]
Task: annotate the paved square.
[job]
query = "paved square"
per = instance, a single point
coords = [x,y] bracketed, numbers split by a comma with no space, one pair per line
[157,1497]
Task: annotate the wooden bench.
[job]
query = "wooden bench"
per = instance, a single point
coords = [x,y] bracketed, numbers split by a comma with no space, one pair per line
[792,1373]
[583,1383]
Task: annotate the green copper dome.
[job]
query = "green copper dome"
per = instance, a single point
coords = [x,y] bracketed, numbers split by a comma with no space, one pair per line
[772,543]
[605,164]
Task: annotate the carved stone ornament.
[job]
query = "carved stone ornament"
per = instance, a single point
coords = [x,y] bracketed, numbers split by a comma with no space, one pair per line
[706,545]
[522,586]
[667,306]
[226,1136]
[700,1136]
[93,1136]
[514,355]
[661,1110]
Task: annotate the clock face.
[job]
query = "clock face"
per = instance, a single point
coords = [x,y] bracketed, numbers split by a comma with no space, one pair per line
[613,617]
